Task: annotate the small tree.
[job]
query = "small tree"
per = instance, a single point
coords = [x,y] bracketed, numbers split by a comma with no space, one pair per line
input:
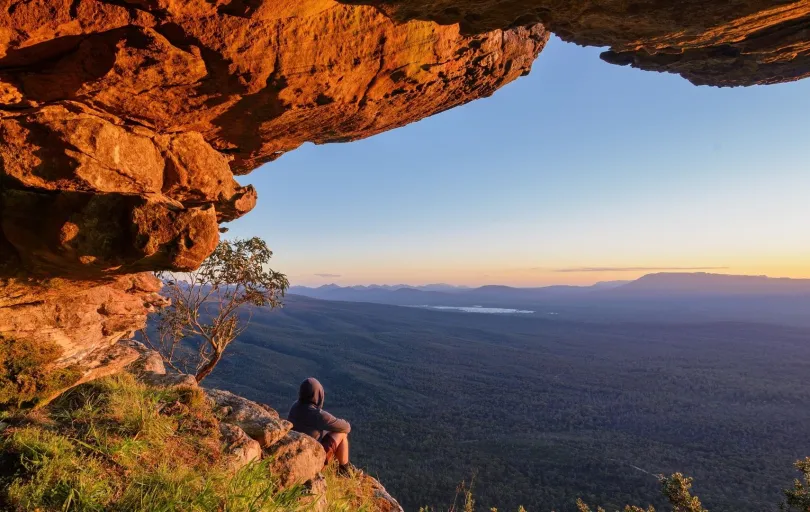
[211,306]
[798,497]
[677,490]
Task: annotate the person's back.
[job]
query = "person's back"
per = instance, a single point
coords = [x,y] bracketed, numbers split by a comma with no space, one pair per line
[308,417]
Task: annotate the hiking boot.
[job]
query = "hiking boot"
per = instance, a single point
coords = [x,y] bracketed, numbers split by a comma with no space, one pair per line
[348,471]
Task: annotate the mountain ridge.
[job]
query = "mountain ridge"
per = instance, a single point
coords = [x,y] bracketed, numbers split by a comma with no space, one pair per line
[673,282]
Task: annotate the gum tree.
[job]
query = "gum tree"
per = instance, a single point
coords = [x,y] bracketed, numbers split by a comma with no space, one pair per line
[211,306]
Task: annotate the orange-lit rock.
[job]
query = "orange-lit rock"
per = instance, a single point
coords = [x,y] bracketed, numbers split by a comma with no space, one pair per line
[123,123]
[727,43]
[80,317]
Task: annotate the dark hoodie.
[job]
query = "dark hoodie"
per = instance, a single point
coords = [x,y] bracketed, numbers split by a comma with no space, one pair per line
[307,414]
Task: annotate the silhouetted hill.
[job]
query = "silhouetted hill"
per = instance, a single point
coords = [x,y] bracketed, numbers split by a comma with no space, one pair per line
[702,284]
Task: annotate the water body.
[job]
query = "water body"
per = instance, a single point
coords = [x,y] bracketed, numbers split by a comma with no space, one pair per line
[478,309]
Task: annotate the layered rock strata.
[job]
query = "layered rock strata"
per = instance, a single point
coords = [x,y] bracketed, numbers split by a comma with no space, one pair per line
[729,43]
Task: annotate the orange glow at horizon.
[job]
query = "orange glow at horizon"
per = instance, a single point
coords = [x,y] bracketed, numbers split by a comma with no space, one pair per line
[581,275]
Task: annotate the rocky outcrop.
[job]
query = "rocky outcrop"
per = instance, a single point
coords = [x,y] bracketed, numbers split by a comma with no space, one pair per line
[250,431]
[259,422]
[295,459]
[383,501]
[316,498]
[122,125]
[730,43]
[81,317]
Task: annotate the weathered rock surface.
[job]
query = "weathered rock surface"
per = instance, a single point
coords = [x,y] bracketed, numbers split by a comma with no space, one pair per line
[100,363]
[296,458]
[258,421]
[148,362]
[79,316]
[733,42]
[383,501]
[239,447]
[171,380]
[316,499]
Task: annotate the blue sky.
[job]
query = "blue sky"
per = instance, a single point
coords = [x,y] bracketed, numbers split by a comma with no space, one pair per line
[580,172]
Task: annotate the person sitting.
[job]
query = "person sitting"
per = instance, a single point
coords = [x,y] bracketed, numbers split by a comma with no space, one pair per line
[308,417]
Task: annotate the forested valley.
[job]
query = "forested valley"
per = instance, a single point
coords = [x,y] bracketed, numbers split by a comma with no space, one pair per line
[539,412]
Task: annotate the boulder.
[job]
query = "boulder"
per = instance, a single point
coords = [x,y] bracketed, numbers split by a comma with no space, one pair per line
[149,361]
[170,380]
[295,459]
[240,449]
[259,422]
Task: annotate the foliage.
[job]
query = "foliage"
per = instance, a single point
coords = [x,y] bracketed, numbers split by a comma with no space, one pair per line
[204,315]
[797,498]
[27,374]
[676,489]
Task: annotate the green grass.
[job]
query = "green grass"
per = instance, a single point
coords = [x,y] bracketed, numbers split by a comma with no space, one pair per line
[118,445]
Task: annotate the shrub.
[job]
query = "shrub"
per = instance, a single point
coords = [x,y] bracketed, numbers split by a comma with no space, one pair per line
[27,373]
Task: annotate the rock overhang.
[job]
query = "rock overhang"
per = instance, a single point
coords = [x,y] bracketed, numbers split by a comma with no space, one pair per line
[124,123]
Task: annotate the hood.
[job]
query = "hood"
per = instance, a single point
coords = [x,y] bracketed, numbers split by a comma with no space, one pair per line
[311,392]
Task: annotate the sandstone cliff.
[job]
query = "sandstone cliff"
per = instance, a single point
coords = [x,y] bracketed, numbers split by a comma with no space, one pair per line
[122,125]
[729,43]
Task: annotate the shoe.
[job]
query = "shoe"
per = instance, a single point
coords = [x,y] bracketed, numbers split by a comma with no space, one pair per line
[348,471]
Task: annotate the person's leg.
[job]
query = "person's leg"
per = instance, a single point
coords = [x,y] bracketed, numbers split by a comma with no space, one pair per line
[337,445]
[342,452]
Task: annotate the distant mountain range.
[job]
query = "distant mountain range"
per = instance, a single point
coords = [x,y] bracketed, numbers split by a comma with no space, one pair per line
[667,284]
[658,297]
[437,287]
[403,293]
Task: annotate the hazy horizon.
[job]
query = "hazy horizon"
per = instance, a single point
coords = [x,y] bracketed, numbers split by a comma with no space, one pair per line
[578,173]
[441,283]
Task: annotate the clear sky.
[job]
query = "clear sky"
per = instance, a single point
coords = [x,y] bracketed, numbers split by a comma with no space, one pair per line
[577,173]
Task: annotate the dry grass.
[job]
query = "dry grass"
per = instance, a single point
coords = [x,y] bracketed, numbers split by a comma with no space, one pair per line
[348,494]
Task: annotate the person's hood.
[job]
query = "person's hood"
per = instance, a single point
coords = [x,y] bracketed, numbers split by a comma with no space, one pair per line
[311,392]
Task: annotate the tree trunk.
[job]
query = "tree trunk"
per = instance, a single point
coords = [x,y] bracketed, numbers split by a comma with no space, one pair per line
[209,366]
